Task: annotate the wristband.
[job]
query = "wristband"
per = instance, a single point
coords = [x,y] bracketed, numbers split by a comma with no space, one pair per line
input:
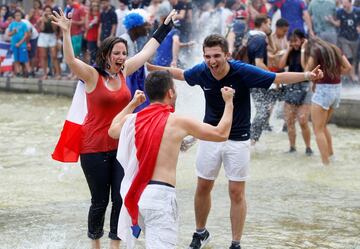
[162,31]
[307,76]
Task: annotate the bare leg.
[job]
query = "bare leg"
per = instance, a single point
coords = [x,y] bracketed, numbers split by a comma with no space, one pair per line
[237,209]
[202,201]
[95,244]
[290,117]
[114,244]
[303,118]
[319,119]
[328,135]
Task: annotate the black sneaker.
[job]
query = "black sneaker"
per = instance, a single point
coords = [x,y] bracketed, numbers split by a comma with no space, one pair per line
[309,151]
[292,149]
[235,246]
[200,240]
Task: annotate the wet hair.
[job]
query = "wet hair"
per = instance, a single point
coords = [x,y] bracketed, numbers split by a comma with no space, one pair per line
[214,40]
[157,84]
[325,54]
[297,33]
[104,52]
[282,23]
[260,19]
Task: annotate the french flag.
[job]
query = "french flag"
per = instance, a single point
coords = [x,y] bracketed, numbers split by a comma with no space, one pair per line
[68,147]
[6,57]
[139,144]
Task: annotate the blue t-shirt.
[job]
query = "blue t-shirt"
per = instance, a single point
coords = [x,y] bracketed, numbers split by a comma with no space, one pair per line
[241,77]
[21,31]
[163,55]
[292,11]
[257,48]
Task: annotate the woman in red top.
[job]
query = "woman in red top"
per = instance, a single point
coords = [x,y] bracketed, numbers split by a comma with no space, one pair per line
[106,95]
[92,20]
[327,90]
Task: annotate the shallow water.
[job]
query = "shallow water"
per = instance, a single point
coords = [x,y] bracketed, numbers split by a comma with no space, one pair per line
[293,201]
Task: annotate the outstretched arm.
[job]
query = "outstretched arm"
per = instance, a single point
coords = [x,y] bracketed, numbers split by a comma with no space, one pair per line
[120,118]
[134,63]
[208,132]
[290,77]
[82,70]
[176,73]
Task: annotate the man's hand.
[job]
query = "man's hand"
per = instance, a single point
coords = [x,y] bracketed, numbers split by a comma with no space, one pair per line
[315,74]
[227,93]
[139,98]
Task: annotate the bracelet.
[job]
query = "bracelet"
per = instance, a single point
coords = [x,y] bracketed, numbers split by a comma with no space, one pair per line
[307,76]
[162,31]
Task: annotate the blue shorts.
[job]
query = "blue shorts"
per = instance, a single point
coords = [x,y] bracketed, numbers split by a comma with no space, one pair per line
[327,95]
[20,54]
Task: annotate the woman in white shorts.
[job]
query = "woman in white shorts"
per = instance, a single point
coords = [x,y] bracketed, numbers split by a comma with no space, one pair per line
[327,90]
[47,43]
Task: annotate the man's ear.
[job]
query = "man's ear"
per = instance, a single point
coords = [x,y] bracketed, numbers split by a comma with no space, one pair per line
[227,55]
[171,93]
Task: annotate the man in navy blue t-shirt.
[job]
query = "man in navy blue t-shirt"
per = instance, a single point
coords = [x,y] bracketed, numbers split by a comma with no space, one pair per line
[211,75]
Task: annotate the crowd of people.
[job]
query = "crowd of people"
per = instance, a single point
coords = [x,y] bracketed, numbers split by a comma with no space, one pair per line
[37,46]
[106,48]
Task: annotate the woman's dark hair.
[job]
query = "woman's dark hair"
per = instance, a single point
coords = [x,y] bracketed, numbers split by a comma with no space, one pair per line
[216,40]
[105,49]
[157,84]
[39,2]
[297,33]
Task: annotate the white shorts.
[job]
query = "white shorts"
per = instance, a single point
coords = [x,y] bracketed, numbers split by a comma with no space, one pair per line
[235,155]
[158,216]
[46,40]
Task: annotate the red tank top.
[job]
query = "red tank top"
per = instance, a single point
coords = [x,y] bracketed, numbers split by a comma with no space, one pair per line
[103,105]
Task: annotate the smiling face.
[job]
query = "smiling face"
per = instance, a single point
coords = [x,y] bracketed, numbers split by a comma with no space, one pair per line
[117,57]
[216,59]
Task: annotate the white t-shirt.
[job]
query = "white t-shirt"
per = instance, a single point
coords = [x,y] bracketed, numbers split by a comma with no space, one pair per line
[34,32]
[120,28]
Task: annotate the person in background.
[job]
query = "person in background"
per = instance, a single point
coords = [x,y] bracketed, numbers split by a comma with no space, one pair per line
[121,12]
[92,20]
[326,97]
[108,21]
[32,46]
[19,34]
[35,12]
[47,43]
[297,96]
[168,52]
[348,21]
[280,45]
[320,11]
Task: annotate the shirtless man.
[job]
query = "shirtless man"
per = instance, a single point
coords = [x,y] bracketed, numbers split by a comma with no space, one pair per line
[158,214]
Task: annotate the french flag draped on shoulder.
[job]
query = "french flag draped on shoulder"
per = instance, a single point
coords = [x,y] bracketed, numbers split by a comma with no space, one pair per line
[139,144]
[68,147]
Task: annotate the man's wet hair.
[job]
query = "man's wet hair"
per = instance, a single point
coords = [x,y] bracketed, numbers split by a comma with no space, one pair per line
[214,40]
[260,19]
[157,84]
[282,23]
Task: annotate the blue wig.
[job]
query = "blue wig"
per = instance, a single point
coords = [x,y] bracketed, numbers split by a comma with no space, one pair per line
[133,20]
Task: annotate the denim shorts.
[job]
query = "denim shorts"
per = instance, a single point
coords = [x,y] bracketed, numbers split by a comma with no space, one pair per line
[327,95]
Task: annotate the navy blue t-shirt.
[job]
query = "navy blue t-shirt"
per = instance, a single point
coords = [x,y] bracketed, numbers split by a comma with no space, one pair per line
[107,19]
[241,77]
[257,48]
[348,23]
